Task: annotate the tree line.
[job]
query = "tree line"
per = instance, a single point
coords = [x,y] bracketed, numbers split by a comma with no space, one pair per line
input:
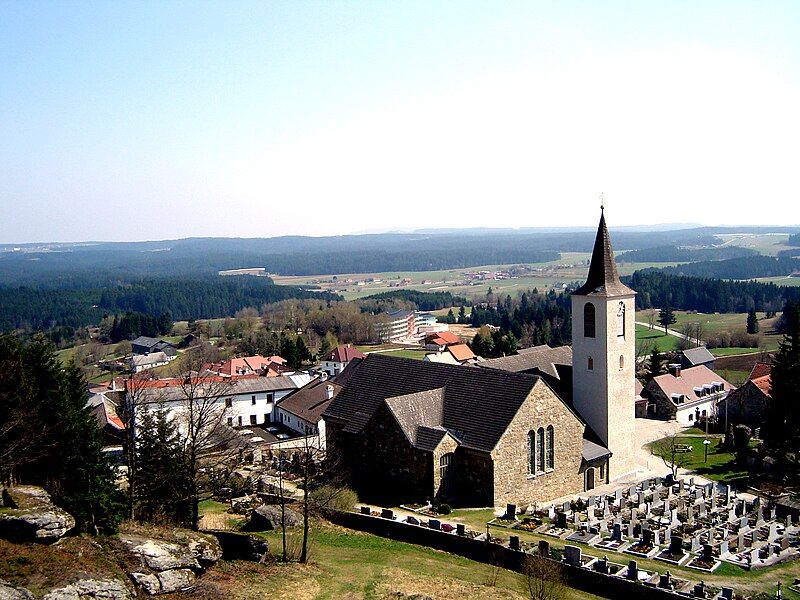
[745,267]
[421,300]
[43,309]
[659,287]
[677,254]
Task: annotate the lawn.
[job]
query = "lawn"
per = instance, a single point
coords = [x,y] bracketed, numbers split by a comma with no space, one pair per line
[662,341]
[348,564]
[720,465]
[407,353]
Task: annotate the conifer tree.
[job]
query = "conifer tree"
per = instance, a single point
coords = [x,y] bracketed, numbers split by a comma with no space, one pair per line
[666,318]
[752,321]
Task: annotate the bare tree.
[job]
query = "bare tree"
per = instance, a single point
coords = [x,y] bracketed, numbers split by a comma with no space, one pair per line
[544,578]
[209,444]
[672,452]
[651,318]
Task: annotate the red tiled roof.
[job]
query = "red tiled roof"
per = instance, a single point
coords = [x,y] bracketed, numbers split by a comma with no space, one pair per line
[461,352]
[442,338]
[344,354]
[760,370]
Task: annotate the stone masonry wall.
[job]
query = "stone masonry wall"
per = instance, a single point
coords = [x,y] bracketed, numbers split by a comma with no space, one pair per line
[512,483]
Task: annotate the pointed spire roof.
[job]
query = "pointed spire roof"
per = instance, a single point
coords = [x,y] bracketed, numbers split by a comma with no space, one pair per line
[603,279]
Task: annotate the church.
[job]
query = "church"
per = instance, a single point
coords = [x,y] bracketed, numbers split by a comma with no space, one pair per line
[405,431]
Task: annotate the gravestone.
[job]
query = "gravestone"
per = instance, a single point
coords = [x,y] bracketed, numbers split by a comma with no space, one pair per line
[434,524]
[572,555]
[726,594]
[576,518]
[618,494]
[723,547]
[365,510]
[513,542]
[412,520]
[744,523]
[601,566]
[633,571]
[676,545]
[727,495]
[669,480]
[511,511]
[616,533]
[566,507]
[551,513]
[784,542]
[695,544]
[544,548]
[681,485]
[740,541]
[603,526]
[788,520]
[707,555]
[673,518]
[460,529]
[387,513]
[561,520]
[647,537]
[773,513]
[668,535]
[699,590]
[591,502]
[665,581]
[773,532]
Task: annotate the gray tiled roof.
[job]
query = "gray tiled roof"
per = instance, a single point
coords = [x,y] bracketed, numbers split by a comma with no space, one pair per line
[479,404]
[698,356]
[541,358]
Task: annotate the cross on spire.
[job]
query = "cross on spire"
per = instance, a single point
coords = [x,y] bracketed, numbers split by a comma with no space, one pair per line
[602,202]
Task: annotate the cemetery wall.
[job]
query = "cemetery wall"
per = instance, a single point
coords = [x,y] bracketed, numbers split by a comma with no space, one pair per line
[485,552]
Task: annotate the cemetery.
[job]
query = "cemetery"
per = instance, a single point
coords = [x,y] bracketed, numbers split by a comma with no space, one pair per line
[681,523]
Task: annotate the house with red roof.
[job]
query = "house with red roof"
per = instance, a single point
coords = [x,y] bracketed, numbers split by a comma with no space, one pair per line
[271,366]
[439,340]
[337,359]
[748,404]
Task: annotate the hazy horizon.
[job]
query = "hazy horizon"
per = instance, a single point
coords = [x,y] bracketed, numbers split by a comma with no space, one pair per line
[150,121]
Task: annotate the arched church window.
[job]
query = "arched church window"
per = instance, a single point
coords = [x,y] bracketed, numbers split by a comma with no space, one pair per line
[621,361]
[446,468]
[550,447]
[588,320]
[531,453]
[590,364]
[621,320]
[540,450]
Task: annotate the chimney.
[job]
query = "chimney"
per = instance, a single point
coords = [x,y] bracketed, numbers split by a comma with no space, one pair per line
[329,391]
[674,369]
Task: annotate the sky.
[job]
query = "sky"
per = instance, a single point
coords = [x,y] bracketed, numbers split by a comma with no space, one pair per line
[161,120]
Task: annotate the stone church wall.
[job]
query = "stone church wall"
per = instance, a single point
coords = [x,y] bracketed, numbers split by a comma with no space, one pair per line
[512,482]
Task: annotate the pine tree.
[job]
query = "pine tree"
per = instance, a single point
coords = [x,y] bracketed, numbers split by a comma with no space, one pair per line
[666,317]
[656,363]
[752,321]
[783,418]
[462,315]
[161,479]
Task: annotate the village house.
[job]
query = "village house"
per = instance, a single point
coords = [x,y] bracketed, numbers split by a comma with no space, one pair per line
[454,354]
[422,430]
[438,341]
[240,401]
[144,345]
[337,359]
[686,395]
[749,403]
[143,362]
[269,366]
[692,357]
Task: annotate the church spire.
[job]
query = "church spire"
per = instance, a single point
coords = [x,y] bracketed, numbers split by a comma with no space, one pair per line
[603,278]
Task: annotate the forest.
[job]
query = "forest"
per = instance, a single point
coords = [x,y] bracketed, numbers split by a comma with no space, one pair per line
[748,267]
[676,254]
[659,287]
[34,309]
[420,300]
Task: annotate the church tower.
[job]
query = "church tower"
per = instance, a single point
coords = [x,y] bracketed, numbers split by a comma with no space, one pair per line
[604,354]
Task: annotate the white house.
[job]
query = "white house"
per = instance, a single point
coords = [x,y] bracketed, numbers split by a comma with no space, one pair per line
[142,362]
[686,395]
[242,401]
[337,359]
[301,411]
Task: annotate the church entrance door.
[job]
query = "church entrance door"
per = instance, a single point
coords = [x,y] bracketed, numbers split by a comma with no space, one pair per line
[589,478]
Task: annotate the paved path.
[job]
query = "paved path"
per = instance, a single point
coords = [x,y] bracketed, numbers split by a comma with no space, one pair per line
[677,334]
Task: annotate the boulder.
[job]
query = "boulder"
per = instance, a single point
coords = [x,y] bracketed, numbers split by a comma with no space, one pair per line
[9,592]
[28,515]
[240,546]
[89,589]
[170,566]
[267,517]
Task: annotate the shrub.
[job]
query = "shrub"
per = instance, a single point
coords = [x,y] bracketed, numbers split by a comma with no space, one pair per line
[335,498]
[444,509]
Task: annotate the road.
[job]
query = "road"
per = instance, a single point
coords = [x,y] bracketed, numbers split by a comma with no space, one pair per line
[677,334]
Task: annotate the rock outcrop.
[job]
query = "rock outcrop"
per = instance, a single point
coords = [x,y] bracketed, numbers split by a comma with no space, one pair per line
[91,589]
[9,592]
[268,518]
[28,515]
[170,566]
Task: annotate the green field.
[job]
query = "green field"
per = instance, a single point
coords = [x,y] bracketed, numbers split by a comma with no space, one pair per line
[783,280]
[662,341]
[765,243]
[720,465]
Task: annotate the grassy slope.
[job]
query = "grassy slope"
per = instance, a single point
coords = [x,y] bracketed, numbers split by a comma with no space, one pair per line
[720,465]
[664,342]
